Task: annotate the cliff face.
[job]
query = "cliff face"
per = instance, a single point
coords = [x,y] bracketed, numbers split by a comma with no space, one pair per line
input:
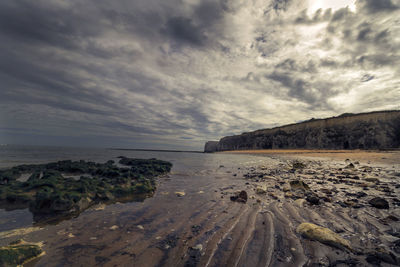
[375,130]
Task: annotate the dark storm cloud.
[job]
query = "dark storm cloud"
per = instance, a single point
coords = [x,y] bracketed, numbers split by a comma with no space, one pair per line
[373,6]
[44,23]
[298,88]
[184,30]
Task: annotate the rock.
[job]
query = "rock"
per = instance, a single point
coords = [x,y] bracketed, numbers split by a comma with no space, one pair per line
[372,180]
[314,200]
[299,185]
[350,166]
[52,196]
[114,227]
[298,165]
[198,247]
[379,203]
[19,252]
[323,235]
[289,194]
[180,193]
[261,190]
[286,187]
[273,195]
[240,197]
[299,202]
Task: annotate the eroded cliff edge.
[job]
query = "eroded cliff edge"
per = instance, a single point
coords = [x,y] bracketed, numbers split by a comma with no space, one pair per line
[373,130]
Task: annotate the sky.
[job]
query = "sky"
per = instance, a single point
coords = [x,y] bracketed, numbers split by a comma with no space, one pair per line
[173,74]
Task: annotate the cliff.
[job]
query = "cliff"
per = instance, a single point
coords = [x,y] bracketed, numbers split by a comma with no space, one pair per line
[373,130]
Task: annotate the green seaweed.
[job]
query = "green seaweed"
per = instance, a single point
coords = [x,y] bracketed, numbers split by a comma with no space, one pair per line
[18,253]
[47,192]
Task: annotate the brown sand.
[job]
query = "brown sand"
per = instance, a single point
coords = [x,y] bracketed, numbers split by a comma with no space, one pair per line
[387,157]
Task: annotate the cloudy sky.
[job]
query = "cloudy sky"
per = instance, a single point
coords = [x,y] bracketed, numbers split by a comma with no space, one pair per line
[176,73]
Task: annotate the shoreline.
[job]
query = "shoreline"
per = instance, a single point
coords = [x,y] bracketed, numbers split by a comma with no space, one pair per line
[377,156]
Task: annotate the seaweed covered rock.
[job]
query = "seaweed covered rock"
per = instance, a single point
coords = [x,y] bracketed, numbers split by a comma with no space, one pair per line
[19,252]
[48,190]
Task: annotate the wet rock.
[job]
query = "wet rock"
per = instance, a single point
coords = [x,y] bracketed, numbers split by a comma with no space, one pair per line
[379,203]
[180,194]
[350,166]
[289,195]
[196,229]
[261,190]
[169,242]
[273,195]
[19,252]
[372,180]
[323,235]
[240,197]
[286,188]
[194,256]
[50,196]
[314,200]
[298,165]
[299,185]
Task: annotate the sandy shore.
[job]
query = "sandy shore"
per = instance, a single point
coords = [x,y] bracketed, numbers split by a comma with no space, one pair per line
[387,157]
[354,196]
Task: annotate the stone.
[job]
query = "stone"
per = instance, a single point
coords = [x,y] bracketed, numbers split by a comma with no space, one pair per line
[323,235]
[240,196]
[261,190]
[286,187]
[379,203]
[314,200]
[299,185]
[372,180]
[180,193]
[289,194]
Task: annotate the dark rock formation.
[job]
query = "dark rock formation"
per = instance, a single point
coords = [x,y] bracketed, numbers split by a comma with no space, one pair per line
[49,194]
[379,203]
[374,130]
[211,146]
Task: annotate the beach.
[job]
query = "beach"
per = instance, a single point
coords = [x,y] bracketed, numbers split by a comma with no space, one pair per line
[194,219]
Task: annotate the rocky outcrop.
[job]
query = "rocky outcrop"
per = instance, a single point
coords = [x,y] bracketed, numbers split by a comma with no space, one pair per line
[211,146]
[374,130]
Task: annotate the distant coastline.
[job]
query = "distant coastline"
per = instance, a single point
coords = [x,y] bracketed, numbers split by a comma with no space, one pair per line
[157,150]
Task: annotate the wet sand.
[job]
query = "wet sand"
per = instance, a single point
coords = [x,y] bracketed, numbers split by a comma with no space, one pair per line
[205,228]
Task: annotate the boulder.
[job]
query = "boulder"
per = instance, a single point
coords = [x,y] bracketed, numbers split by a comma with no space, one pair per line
[240,197]
[314,200]
[323,235]
[379,203]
